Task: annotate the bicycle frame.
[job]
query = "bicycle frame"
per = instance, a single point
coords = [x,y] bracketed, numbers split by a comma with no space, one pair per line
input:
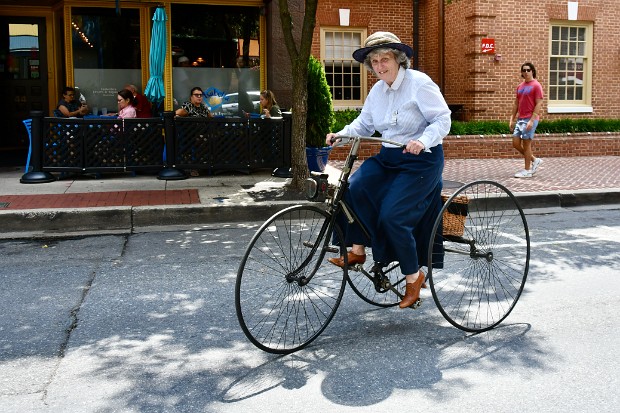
[337,203]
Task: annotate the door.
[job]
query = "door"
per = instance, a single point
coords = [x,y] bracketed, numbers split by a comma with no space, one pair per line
[23,82]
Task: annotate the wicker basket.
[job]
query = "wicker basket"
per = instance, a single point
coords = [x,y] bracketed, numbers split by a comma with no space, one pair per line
[454,216]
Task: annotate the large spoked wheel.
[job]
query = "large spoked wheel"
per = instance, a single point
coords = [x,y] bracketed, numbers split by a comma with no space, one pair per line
[478,272]
[286,292]
[383,287]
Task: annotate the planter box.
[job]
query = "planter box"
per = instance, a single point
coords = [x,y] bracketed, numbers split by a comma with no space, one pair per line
[317,158]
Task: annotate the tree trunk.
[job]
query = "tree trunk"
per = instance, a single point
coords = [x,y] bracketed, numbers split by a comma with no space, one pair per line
[299,161]
[299,56]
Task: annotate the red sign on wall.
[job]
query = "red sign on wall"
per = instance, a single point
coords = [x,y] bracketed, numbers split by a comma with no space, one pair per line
[488,45]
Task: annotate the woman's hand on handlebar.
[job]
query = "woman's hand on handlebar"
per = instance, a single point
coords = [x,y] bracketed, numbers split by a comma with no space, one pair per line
[331,138]
[414,147]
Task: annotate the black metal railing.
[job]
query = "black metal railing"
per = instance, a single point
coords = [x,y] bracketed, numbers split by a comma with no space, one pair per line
[166,145]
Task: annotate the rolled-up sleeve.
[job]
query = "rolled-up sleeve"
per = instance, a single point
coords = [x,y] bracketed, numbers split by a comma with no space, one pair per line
[436,112]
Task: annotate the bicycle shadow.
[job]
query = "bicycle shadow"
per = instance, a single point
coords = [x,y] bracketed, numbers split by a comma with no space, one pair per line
[367,356]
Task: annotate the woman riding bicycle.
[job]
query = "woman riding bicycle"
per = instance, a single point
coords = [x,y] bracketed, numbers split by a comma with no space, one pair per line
[396,193]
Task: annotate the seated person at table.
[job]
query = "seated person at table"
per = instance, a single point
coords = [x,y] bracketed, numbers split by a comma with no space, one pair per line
[125,104]
[69,106]
[140,102]
[269,106]
[125,107]
[195,107]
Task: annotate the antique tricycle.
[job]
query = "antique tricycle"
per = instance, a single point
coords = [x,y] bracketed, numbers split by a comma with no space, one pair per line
[287,292]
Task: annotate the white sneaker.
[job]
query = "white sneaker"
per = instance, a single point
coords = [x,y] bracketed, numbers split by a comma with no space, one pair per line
[524,174]
[536,164]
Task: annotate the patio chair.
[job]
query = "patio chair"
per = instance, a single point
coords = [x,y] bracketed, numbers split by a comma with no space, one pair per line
[28,125]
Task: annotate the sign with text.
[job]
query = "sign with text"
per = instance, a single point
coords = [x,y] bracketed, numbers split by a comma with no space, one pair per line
[488,45]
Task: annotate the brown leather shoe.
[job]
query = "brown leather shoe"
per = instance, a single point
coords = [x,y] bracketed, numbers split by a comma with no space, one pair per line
[412,291]
[351,258]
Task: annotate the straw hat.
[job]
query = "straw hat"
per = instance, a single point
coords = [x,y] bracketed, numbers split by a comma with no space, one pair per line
[380,40]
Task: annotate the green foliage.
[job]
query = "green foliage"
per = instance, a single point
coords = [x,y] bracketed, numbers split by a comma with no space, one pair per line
[551,126]
[579,126]
[479,128]
[320,115]
[343,118]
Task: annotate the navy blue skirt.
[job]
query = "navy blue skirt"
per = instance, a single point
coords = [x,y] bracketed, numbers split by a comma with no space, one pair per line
[397,196]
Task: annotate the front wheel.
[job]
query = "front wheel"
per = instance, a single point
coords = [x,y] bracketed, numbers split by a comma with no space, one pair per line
[480,257]
[286,292]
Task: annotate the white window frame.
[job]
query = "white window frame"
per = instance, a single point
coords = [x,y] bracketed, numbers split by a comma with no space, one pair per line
[583,105]
[343,53]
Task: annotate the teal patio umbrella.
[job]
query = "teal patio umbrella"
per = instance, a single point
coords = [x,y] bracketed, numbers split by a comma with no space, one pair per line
[154,90]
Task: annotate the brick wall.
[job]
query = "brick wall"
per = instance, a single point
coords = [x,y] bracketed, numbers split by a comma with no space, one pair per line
[482,85]
[390,15]
[500,146]
[486,86]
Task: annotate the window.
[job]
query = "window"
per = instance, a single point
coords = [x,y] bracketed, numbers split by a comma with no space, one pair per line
[220,52]
[570,68]
[103,39]
[345,76]
[106,53]
[23,58]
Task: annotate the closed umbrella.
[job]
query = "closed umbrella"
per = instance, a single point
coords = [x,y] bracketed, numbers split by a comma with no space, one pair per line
[155,87]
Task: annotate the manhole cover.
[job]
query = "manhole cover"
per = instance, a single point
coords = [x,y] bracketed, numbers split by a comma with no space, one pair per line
[4,204]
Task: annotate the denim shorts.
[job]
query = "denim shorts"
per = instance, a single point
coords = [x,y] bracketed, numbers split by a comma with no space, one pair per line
[520,131]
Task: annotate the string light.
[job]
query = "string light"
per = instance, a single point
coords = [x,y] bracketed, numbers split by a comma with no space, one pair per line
[81,34]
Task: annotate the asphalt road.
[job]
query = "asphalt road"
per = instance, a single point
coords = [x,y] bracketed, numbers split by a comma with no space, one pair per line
[146,323]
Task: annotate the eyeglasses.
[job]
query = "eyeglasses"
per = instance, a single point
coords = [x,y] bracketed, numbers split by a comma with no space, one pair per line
[198,95]
[526,70]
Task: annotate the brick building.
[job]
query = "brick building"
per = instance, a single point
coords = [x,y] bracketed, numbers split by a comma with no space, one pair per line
[235,45]
[574,45]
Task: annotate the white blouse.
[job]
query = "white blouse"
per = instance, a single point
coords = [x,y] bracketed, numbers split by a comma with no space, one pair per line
[412,108]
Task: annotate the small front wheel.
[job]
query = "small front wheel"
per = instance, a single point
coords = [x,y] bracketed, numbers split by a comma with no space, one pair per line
[286,292]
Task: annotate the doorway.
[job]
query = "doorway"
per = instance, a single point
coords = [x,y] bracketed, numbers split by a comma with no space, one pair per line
[23,80]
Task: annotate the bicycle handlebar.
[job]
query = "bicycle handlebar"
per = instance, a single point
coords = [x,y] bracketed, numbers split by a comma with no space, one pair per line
[345,139]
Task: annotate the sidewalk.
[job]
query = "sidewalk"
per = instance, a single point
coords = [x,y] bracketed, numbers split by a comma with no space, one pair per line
[122,203]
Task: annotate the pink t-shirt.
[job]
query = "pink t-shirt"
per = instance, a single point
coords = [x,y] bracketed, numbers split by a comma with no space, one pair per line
[527,94]
[127,112]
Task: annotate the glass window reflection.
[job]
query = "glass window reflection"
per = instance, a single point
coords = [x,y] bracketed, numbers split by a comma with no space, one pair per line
[218,52]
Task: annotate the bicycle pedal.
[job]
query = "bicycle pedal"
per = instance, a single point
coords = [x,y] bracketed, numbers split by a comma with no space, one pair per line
[417,304]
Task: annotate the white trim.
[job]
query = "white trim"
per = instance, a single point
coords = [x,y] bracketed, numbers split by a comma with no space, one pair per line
[344,16]
[570,109]
[573,10]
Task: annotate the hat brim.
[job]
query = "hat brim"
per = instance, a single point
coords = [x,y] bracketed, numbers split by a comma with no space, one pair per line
[360,54]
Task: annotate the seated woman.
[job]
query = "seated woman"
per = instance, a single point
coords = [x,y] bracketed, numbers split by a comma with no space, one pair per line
[125,106]
[269,106]
[69,106]
[140,102]
[195,107]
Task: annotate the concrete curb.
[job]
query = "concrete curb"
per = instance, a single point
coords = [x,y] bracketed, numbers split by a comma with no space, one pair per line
[63,220]
[565,199]
[54,223]
[201,214]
